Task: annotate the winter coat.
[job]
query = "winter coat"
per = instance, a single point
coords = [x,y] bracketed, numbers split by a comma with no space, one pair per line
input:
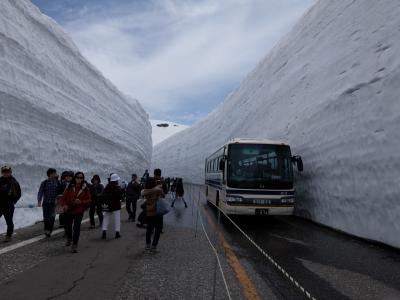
[179,190]
[133,190]
[48,191]
[151,196]
[111,197]
[95,193]
[10,191]
[72,193]
[162,185]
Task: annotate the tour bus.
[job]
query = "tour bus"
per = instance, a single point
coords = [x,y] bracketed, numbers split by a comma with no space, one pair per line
[252,177]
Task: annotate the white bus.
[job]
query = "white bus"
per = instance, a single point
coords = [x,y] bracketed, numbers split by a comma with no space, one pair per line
[252,177]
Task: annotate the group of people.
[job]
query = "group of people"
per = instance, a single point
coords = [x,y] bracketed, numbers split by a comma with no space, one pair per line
[72,195]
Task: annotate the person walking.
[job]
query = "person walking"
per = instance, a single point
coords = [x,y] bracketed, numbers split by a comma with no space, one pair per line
[96,189]
[144,177]
[173,188]
[66,178]
[132,196]
[10,193]
[111,203]
[152,193]
[179,192]
[75,200]
[47,198]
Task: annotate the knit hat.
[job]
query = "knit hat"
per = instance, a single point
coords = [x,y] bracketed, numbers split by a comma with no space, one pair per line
[5,169]
[114,178]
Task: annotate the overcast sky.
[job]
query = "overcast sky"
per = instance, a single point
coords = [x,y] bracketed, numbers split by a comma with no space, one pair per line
[179,58]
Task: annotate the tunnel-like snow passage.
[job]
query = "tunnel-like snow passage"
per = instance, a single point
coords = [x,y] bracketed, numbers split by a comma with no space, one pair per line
[331,89]
[57,110]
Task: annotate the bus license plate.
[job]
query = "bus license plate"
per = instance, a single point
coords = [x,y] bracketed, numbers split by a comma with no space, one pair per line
[261,212]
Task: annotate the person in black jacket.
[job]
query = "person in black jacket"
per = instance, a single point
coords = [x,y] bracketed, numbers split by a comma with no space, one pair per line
[132,195]
[10,193]
[179,192]
[111,203]
[96,188]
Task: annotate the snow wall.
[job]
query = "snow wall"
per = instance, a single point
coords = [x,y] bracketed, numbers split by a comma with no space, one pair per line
[330,88]
[57,110]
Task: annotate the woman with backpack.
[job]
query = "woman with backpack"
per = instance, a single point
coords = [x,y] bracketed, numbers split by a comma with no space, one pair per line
[111,199]
[152,195]
[75,200]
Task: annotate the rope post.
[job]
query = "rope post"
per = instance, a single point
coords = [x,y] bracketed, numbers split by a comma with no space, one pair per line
[192,209]
[215,279]
[197,218]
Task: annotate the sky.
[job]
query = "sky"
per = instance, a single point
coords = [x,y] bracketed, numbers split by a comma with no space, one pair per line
[179,58]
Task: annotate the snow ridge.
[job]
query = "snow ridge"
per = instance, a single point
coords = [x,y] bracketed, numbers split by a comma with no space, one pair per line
[331,89]
[57,110]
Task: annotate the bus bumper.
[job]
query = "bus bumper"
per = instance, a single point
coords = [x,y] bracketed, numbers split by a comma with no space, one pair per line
[261,210]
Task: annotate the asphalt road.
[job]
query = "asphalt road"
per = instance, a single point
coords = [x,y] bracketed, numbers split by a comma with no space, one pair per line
[328,264]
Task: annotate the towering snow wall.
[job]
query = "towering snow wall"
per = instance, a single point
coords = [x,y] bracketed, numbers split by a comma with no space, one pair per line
[331,89]
[57,110]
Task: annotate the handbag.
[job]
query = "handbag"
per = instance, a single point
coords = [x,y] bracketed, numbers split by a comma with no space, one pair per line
[162,207]
[59,209]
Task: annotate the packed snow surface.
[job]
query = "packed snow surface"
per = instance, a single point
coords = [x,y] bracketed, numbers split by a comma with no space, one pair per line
[162,130]
[57,110]
[331,90]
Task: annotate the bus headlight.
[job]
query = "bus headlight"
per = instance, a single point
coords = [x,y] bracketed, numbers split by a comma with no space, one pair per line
[234,199]
[288,200]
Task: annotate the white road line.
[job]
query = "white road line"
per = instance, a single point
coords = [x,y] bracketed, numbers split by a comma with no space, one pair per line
[36,239]
[32,240]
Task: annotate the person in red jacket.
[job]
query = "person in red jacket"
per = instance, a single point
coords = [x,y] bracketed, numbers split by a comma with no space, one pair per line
[75,200]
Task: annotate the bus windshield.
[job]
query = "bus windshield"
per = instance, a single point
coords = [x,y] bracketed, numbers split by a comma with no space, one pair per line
[259,166]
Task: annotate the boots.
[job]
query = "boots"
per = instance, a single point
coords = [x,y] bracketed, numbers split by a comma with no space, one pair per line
[117,235]
[104,235]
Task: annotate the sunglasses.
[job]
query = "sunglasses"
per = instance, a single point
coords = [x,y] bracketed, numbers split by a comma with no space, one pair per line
[78,177]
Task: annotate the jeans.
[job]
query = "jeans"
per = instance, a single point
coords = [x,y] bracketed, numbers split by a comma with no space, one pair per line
[131,204]
[73,227]
[95,208]
[154,223]
[49,216]
[8,213]
[117,219]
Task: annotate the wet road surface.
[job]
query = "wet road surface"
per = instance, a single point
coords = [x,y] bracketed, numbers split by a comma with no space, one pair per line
[328,264]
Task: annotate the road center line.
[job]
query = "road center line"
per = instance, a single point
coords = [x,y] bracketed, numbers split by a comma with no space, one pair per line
[240,273]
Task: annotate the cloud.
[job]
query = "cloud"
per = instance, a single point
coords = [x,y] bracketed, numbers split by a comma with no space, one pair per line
[180,56]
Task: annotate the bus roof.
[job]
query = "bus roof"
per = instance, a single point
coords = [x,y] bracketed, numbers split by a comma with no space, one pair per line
[254,141]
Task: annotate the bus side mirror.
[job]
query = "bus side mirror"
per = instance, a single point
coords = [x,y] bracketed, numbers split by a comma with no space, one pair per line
[222,165]
[299,162]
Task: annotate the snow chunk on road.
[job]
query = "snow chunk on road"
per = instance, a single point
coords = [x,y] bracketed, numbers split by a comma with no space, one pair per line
[164,129]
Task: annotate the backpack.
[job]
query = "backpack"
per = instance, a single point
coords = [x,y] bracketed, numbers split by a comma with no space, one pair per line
[104,200]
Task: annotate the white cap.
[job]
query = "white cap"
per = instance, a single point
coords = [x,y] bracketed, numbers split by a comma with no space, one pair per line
[114,177]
